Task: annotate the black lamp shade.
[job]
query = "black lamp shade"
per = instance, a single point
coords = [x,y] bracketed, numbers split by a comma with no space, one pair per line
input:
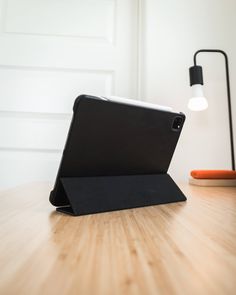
[195,74]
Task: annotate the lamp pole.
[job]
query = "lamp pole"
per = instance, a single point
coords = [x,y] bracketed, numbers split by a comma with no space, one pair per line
[228,93]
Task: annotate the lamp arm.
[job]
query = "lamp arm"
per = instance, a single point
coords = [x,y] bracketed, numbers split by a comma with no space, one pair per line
[228,96]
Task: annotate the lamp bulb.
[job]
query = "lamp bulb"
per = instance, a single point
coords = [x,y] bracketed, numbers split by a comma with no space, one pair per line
[198,102]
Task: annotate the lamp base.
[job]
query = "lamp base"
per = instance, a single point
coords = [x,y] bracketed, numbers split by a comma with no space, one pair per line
[213,174]
[212,182]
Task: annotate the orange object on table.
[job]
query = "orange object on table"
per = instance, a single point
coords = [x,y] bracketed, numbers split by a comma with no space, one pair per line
[213,174]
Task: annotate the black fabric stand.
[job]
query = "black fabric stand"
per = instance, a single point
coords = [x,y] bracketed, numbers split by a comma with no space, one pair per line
[87,195]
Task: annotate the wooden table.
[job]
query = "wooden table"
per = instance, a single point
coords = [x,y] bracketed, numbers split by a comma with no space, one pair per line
[179,248]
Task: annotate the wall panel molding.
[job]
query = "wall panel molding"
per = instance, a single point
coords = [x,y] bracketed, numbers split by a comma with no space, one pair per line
[29,89]
[30,150]
[54,69]
[33,133]
[35,115]
[47,18]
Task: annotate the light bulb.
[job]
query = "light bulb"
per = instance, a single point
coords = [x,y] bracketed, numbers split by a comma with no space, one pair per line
[198,102]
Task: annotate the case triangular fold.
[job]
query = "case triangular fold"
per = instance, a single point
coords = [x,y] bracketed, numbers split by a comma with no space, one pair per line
[89,195]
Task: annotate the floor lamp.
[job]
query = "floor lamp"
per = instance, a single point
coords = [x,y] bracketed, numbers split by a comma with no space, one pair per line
[198,103]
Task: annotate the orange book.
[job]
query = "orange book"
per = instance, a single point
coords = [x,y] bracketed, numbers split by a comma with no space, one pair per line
[213,174]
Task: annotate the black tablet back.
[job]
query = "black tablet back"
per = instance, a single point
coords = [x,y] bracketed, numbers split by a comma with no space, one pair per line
[109,138]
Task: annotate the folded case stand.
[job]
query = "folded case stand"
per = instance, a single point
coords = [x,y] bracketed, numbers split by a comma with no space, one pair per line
[87,195]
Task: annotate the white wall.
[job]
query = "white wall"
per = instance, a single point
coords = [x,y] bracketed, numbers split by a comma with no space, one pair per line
[172,31]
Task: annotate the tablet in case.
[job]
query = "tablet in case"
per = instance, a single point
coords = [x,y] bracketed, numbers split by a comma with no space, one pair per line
[116,157]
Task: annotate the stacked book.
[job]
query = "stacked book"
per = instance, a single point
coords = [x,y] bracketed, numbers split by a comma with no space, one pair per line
[213,177]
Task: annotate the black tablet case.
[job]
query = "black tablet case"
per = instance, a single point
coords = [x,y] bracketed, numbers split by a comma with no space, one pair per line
[116,157]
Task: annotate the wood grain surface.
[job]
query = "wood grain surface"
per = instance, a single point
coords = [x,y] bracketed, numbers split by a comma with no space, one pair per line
[179,248]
